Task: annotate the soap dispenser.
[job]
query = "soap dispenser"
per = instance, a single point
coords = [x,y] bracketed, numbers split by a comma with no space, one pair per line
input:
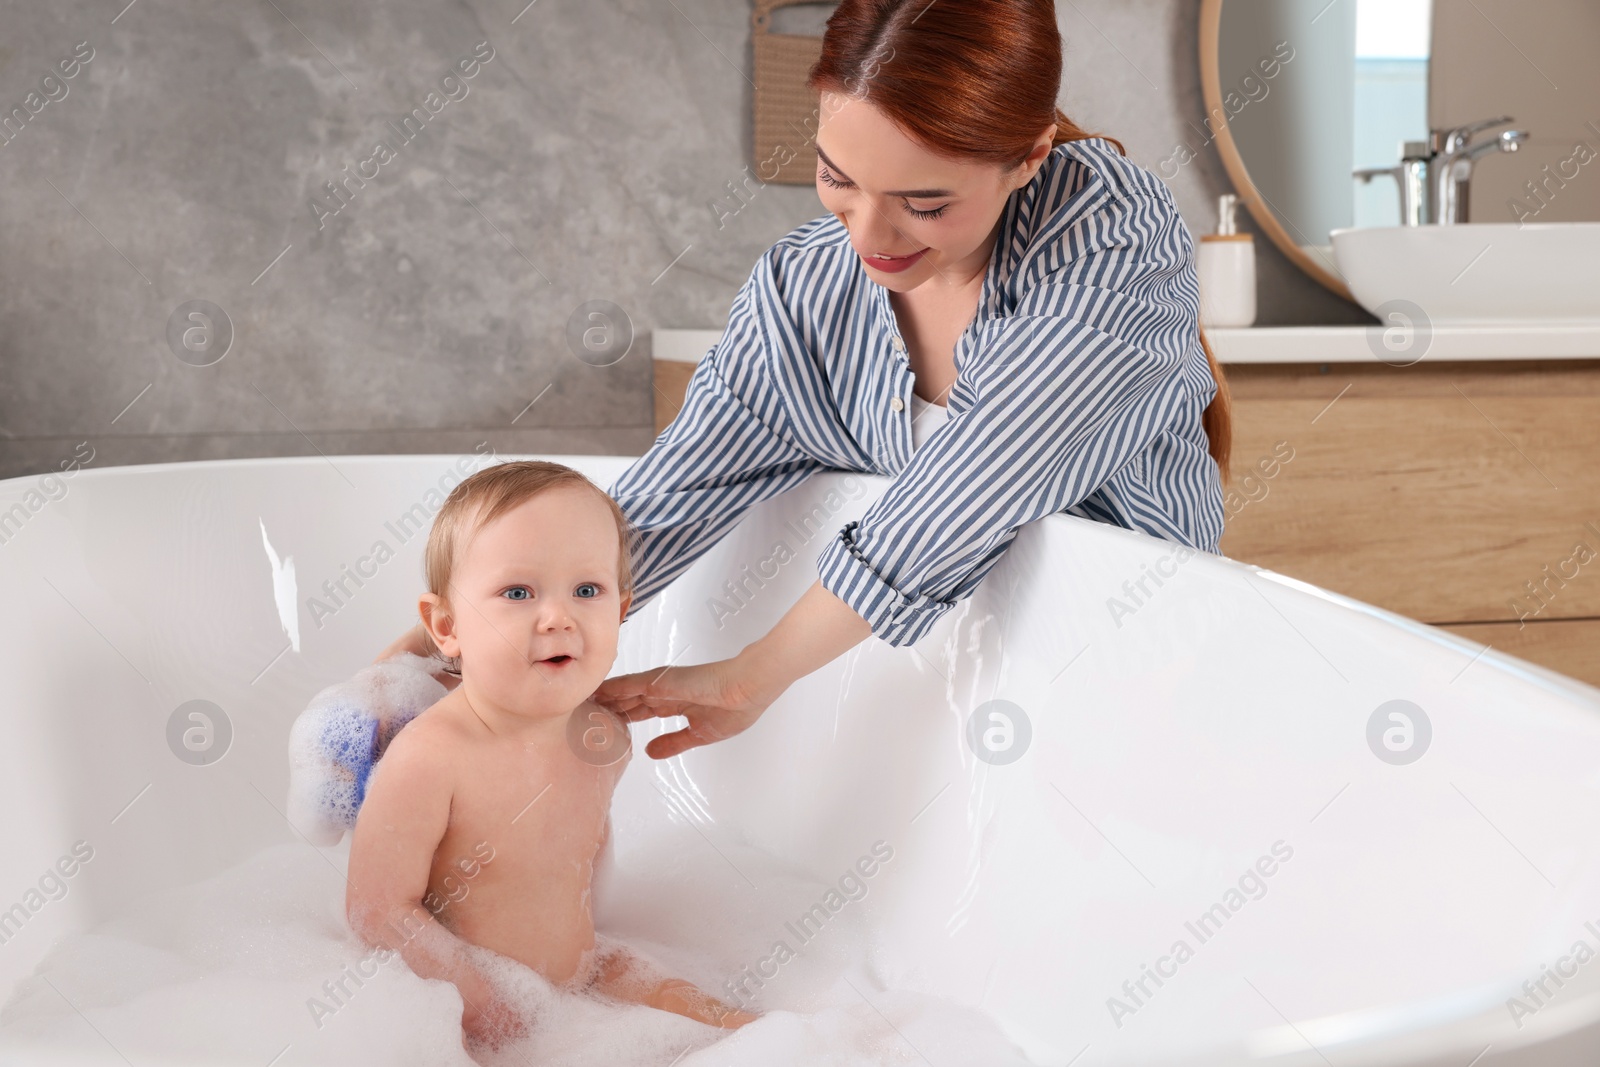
[1226,269]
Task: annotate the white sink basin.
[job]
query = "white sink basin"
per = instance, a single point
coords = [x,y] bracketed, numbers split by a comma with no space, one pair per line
[1476,274]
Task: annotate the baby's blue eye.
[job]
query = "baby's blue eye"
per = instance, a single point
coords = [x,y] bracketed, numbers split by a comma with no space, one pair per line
[518,592]
[590,585]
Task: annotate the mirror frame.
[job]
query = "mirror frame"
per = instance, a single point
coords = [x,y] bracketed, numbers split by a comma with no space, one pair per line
[1211,89]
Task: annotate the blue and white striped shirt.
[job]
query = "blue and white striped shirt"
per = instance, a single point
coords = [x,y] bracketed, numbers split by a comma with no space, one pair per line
[1079,388]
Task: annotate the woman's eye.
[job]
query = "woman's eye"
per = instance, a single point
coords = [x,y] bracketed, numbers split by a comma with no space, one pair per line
[588,585]
[518,592]
[828,179]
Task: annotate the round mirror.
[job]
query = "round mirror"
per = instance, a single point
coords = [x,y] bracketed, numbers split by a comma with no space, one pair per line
[1336,114]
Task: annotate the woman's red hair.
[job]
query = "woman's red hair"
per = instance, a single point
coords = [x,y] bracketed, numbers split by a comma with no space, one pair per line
[975,81]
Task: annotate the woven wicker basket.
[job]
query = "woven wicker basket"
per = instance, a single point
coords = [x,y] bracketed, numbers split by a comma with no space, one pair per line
[786,111]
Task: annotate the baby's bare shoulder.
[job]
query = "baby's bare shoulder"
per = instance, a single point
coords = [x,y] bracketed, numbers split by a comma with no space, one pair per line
[409,794]
[589,707]
[435,737]
[606,739]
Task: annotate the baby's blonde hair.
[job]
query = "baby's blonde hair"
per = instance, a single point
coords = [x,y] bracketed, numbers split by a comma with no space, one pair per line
[492,492]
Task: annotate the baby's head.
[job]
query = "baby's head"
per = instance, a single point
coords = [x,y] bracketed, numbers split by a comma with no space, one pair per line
[527,561]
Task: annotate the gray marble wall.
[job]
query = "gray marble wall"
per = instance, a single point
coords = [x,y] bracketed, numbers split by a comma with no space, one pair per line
[204,252]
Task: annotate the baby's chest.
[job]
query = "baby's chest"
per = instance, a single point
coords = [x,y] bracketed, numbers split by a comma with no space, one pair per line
[555,815]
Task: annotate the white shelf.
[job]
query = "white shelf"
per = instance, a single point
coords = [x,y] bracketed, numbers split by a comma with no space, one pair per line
[1360,344]
[1306,344]
[682,346]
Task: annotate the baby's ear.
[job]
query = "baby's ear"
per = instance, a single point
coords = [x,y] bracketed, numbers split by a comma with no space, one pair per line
[437,625]
[627,598]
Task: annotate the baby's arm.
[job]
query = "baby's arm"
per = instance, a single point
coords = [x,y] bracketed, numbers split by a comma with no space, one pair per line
[402,821]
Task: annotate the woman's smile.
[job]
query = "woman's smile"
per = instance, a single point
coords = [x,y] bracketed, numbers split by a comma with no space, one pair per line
[893,265]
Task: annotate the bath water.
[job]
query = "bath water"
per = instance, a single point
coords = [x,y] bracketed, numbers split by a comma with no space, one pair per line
[257,966]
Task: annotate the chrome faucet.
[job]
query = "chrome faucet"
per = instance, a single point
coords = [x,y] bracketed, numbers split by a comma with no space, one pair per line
[1454,157]
[1434,176]
[1412,178]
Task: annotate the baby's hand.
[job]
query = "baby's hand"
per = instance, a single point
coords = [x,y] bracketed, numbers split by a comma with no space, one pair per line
[491,1021]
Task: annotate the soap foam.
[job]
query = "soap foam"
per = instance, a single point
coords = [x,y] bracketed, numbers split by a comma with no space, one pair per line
[342,732]
[258,962]
[224,971]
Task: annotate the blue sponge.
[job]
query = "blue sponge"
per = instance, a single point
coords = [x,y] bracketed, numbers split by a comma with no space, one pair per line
[350,739]
[340,737]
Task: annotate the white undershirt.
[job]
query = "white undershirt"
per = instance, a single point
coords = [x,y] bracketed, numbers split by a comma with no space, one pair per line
[925,418]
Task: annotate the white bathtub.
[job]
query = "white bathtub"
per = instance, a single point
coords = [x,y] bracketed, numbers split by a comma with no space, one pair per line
[1173,749]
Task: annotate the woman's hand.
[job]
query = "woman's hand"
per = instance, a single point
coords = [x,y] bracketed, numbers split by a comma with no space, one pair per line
[412,641]
[726,697]
[719,699]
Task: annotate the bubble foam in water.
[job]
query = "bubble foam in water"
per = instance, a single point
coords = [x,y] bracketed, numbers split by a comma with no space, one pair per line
[232,970]
[258,962]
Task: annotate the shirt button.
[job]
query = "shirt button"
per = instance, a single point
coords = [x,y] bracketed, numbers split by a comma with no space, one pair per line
[897,404]
[899,345]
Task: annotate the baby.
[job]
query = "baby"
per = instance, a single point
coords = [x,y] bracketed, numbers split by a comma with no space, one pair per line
[485,818]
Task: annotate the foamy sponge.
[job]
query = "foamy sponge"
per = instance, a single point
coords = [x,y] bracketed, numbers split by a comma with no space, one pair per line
[336,741]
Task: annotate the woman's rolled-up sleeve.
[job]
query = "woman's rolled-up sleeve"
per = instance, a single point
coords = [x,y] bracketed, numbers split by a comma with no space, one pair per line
[725,452]
[1059,396]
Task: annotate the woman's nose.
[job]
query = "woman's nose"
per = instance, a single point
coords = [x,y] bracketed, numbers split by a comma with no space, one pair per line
[871,230]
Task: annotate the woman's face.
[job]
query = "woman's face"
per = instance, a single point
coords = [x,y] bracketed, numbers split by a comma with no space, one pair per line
[898,199]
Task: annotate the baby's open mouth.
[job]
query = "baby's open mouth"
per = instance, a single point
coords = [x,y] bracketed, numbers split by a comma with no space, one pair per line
[556,660]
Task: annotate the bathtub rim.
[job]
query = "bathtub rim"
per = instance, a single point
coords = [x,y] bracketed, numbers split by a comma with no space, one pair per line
[1548,679]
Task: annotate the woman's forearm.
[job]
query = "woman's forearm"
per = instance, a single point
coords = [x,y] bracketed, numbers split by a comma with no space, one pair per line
[816,631]
[411,641]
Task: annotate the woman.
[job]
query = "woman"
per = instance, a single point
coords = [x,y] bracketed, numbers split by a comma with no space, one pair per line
[1000,312]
